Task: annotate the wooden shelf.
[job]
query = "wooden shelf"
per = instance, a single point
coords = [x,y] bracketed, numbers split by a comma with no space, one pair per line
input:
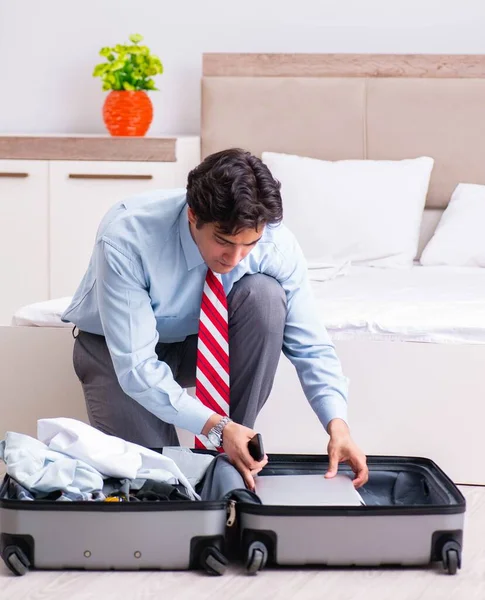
[90,147]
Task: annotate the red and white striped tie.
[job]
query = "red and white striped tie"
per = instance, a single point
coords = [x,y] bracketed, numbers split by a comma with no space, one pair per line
[212,375]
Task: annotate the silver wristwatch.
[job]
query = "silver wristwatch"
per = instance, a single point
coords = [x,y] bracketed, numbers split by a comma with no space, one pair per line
[215,434]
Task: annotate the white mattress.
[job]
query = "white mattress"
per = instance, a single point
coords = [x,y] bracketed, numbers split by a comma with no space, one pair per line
[421,304]
[42,314]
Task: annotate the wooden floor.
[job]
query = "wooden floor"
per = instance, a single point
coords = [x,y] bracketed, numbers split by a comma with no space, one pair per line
[294,584]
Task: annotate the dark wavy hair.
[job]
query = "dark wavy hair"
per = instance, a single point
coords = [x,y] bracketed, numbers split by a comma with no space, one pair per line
[236,190]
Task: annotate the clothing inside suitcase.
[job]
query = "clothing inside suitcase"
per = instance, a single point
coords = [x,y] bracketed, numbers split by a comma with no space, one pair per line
[401,484]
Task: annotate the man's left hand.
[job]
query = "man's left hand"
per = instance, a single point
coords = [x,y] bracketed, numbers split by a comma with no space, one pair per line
[341,448]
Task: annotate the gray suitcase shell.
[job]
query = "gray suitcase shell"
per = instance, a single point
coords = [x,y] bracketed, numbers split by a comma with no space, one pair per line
[98,535]
[414,515]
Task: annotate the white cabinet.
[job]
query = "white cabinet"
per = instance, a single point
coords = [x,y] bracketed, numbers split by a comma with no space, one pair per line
[23,235]
[50,208]
[80,194]
[82,191]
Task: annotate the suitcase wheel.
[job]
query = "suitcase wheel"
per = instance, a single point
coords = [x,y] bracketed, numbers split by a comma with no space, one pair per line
[256,558]
[451,557]
[213,561]
[16,560]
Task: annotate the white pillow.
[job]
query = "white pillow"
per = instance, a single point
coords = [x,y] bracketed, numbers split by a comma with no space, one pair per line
[365,211]
[459,239]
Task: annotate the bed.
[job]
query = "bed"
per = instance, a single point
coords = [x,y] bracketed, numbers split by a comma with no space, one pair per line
[411,340]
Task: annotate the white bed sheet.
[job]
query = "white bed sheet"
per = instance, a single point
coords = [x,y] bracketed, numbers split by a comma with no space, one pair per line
[42,314]
[420,304]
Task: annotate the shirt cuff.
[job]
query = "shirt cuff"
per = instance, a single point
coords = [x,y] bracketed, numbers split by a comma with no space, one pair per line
[191,414]
[331,408]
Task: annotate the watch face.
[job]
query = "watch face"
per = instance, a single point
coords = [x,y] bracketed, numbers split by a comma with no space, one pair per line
[214,439]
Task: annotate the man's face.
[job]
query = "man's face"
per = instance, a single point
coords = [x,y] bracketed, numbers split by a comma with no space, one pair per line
[222,252]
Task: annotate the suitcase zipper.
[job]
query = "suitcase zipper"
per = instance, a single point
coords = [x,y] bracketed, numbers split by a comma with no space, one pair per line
[231,513]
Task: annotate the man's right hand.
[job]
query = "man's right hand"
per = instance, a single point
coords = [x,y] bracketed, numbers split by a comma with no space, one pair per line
[235,440]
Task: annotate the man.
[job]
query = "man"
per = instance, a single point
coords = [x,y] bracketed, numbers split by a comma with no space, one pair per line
[137,311]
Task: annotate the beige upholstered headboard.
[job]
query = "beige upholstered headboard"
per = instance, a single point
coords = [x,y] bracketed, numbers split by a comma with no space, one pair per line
[338,106]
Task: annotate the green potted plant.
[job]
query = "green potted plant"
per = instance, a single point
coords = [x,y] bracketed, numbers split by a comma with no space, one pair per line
[128,74]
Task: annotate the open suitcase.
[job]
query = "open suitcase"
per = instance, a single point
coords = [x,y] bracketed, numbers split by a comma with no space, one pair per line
[413,515]
[99,535]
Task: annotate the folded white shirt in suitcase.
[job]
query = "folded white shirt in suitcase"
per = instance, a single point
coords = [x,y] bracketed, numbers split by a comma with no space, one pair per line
[110,455]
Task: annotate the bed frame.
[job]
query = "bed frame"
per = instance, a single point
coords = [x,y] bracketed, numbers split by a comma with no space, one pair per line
[405,398]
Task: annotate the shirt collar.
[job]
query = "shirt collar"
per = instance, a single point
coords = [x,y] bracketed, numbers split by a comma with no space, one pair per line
[191,251]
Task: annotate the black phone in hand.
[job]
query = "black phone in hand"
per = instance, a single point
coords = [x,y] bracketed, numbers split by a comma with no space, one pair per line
[255,447]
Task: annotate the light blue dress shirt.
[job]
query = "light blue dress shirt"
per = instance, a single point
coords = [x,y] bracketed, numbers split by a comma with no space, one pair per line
[144,284]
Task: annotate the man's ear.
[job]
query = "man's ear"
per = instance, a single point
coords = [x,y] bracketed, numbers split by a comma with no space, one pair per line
[191,215]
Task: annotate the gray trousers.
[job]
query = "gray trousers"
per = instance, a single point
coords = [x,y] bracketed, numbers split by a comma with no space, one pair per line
[257,314]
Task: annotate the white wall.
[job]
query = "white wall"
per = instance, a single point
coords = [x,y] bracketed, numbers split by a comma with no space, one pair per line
[49,48]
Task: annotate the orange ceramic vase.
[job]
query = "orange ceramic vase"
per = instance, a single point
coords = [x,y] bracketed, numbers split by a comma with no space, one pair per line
[127,113]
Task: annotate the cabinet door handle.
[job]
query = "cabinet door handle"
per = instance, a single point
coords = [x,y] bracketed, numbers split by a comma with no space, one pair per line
[15,175]
[107,176]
